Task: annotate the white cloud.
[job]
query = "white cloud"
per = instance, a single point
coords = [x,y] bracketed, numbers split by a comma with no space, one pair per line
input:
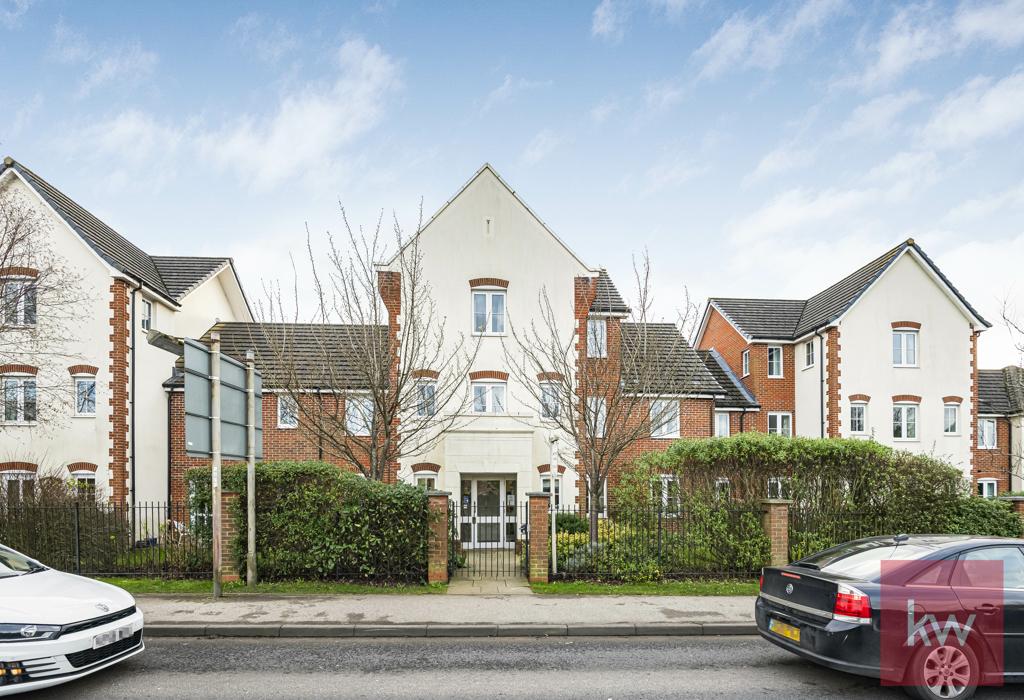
[669,174]
[904,174]
[783,159]
[877,117]
[797,207]
[921,33]
[983,207]
[1001,23]
[541,146]
[763,42]
[11,12]
[126,65]
[659,96]
[600,112]
[310,126]
[269,40]
[979,110]
[509,88]
[609,20]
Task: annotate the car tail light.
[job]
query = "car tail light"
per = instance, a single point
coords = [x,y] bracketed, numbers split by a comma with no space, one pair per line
[760,581]
[852,606]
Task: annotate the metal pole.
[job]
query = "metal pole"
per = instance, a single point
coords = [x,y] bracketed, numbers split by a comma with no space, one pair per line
[215,457]
[250,471]
[553,474]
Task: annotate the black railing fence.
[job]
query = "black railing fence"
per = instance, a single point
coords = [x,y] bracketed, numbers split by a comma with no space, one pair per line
[813,531]
[487,541]
[647,544]
[100,539]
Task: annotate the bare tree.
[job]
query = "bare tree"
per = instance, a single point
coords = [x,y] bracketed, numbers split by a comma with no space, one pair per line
[1015,376]
[605,398]
[41,297]
[373,375]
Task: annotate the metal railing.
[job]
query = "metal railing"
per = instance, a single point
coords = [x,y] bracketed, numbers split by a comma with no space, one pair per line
[101,539]
[813,531]
[487,542]
[646,544]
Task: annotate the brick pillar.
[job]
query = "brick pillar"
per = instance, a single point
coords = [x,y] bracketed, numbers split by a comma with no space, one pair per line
[437,536]
[539,534]
[228,536]
[776,526]
[1017,503]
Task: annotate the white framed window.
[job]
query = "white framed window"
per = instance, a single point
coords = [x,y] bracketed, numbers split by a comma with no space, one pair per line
[780,423]
[426,480]
[951,419]
[722,489]
[488,312]
[488,397]
[745,357]
[84,483]
[545,486]
[426,404]
[722,424]
[146,317]
[597,415]
[858,418]
[19,302]
[549,407]
[668,492]
[904,347]
[664,416]
[987,433]
[19,399]
[597,337]
[774,361]
[358,414]
[809,354]
[904,422]
[85,396]
[17,485]
[777,487]
[988,488]
[287,412]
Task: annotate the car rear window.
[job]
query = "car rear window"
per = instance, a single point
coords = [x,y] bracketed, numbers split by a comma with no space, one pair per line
[864,560]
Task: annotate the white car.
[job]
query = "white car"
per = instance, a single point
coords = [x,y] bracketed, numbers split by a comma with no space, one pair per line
[56,627]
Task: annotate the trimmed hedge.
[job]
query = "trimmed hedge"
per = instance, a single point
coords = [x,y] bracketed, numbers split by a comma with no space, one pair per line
[315,521]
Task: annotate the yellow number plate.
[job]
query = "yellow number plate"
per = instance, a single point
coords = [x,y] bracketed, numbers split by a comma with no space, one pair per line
[783,630]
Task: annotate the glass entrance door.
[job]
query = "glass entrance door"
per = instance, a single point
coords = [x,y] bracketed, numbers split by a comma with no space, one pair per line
[488,513]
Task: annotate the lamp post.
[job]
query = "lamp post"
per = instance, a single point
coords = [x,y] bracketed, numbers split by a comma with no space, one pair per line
[552,475]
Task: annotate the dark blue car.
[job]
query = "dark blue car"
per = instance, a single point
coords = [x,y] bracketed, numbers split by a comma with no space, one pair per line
[827,608]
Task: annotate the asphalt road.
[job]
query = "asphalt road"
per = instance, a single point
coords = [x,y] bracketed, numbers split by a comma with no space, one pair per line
[601,668]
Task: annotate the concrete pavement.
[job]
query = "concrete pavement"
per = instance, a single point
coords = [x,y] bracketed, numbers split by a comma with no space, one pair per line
[446,615]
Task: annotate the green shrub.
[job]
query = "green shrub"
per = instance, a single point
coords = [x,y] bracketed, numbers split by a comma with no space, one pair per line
[571,523]
[314,520]
[984,516]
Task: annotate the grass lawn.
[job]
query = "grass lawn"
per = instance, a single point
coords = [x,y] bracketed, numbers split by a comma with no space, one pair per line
[205,587]
[696,587]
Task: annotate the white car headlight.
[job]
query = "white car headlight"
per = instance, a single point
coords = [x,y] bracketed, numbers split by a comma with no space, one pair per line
[27,633]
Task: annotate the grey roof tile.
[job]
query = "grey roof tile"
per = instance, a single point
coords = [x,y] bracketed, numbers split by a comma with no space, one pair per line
[607,299]
[678,365]
[774,319]
[1001,391]
[736,393]
[182,274]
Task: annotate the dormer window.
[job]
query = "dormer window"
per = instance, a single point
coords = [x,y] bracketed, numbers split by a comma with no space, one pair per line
[489,312]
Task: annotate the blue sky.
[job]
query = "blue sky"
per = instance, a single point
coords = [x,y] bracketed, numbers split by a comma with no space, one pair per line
[753,149]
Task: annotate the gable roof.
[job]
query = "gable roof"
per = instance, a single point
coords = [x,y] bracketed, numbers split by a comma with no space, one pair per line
[309,344]
[1001,391]
[172,277]
[680,367]
[789,319]
[736,393]
[607,299]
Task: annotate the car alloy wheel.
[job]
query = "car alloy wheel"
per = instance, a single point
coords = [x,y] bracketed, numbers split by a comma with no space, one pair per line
[947,672]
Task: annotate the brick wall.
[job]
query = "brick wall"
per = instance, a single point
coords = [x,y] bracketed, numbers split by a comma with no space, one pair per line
[118,401]
[293,444]
[994,464]
[833,389]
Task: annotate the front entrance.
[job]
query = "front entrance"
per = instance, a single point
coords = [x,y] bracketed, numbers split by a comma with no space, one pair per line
[487,513]
[487,542]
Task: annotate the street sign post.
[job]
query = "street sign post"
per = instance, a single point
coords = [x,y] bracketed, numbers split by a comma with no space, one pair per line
[221,420]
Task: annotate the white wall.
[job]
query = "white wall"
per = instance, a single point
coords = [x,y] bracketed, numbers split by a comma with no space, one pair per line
[60,438]
[807,386]
[908,293]
[455,248]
